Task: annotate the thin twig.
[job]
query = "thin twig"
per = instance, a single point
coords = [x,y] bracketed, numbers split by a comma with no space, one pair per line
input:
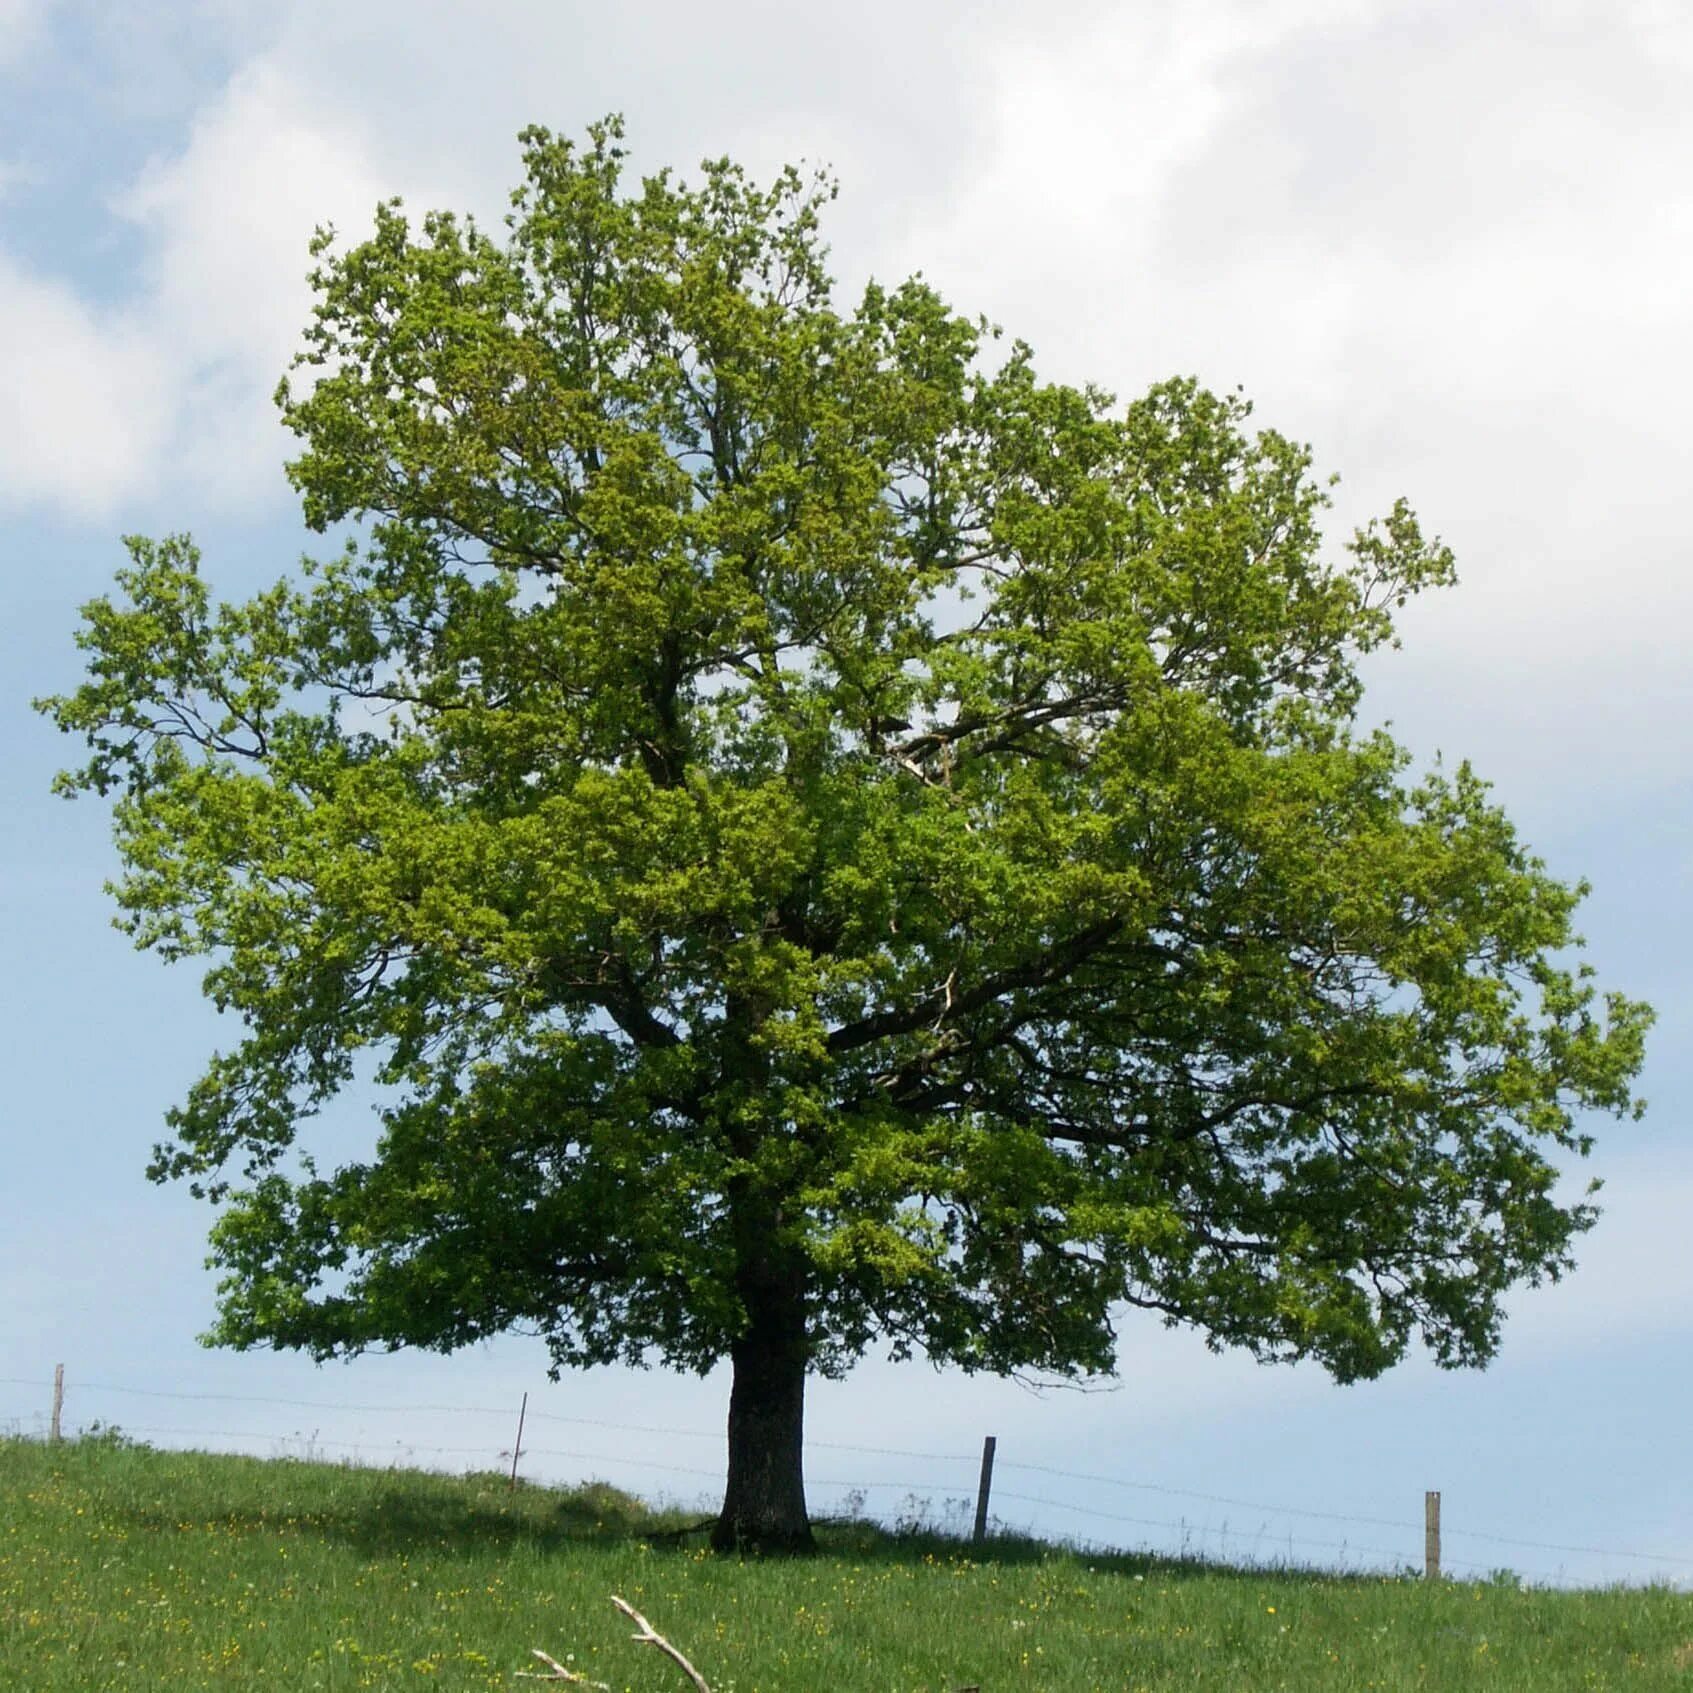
[649,1636]
[559,1673]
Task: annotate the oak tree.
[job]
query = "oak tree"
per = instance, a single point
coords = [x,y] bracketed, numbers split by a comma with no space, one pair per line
[821,838]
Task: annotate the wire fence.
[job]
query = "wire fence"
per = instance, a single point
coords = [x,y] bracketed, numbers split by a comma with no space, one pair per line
[855,1493]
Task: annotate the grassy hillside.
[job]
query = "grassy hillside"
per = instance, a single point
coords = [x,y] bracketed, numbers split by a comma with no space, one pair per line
[129,1568]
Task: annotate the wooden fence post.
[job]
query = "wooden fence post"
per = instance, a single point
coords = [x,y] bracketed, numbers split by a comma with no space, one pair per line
[982,1490]
[1431,1536]
[517,1445]
[58,1400]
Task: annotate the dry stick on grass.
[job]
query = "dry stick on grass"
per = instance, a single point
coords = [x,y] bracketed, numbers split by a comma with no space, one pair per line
[557,1672]
[650,1636]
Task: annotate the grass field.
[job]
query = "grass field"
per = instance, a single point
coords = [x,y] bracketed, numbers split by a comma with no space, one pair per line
[122,1567]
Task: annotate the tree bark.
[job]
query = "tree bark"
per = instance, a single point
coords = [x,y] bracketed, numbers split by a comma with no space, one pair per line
[764,1501]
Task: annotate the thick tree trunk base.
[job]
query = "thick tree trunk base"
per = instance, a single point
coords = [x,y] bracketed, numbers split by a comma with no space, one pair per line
[764,1501]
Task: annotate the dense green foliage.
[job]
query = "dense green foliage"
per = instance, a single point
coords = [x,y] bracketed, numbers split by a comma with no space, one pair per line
[136,1569]
[822,836]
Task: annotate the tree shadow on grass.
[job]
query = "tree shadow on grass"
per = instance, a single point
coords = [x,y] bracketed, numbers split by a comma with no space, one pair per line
[869,1542]
[446,1520]
[382,1513]
[413,1521]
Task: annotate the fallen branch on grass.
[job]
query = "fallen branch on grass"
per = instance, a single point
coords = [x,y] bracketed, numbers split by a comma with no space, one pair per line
[647,1635]
[557,1672]
[650,1636]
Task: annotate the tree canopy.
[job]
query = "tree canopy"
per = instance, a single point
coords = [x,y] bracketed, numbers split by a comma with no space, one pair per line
[822,839]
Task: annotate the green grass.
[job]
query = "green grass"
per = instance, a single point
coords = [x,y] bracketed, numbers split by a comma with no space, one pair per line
[122,1567]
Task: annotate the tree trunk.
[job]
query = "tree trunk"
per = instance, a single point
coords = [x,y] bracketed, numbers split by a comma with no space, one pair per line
[764,1502]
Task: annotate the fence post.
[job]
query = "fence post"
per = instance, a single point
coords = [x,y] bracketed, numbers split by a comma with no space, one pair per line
[982,1489]
[58,1399]
[517,1445]
[1431,1537]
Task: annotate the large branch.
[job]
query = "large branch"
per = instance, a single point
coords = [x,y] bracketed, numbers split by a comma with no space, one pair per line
[1054,966]
[914,1087]
[1001,730]
[619,996]
[627,1011]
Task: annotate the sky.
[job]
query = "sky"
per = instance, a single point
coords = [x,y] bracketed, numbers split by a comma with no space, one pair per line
[1450,245]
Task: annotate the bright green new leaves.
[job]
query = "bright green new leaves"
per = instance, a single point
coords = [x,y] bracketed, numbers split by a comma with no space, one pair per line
[776,801]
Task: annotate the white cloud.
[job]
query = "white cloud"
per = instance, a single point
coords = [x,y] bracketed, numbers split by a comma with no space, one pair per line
[22,25]
[228,220]
[1448,244]
[102,401]
[344,106]
[171,389]
[83,413]
[1451,247]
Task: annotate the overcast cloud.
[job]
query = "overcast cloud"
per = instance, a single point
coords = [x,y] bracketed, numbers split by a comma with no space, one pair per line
[1448,244]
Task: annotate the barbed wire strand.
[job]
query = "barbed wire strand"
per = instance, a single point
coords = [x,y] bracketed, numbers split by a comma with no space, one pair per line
[479,1411]
[1182,1526]
[850,1486]
[824,1445]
